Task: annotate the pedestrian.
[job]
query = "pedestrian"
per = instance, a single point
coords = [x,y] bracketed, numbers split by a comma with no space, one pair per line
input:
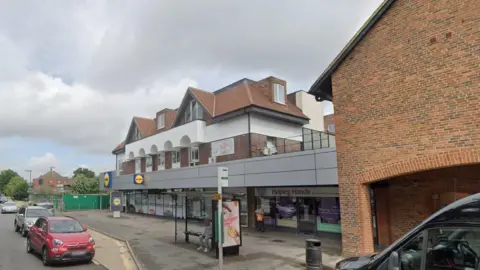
[205,237]
[260,222]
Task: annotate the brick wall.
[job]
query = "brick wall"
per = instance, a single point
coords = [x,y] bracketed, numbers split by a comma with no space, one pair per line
[129,167]
[405,98]
[411,199]
[168,160]
[205,153]
[143,164]
[184,157]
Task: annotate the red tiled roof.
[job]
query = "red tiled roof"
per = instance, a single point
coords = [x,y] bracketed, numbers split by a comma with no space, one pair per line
[243,95]
[146,126]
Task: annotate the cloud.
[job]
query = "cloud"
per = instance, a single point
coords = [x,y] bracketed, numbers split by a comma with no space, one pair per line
[76,72]
[43,163]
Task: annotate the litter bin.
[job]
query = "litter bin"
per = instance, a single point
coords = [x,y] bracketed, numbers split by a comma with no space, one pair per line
[313,254]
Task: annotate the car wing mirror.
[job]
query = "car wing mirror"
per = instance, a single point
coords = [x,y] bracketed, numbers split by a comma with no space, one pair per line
[394,261]
[39,230]
[84,228]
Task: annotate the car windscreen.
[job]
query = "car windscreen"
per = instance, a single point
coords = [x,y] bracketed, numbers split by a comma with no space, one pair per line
[65,226]
[10,204]
[38,213]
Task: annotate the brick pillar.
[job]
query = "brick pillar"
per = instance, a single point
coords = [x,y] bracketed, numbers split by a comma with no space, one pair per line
[357,234]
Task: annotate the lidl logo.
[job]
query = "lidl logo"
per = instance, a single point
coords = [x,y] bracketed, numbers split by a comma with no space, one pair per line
[107,180]
[116,201]
[138,179]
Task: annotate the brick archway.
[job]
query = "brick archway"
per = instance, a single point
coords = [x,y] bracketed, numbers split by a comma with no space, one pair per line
[423,163]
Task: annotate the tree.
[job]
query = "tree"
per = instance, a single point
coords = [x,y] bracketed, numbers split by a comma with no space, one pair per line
[85,185]
[5,177]
[88,173]
[17,188]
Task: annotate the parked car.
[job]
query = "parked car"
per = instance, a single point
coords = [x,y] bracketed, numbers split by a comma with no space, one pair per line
[49,206]
[60,239]
[27,216]
[9,207]
[3,199]
[449,239]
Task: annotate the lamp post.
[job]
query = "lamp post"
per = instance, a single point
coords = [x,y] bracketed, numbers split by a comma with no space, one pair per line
[30,179]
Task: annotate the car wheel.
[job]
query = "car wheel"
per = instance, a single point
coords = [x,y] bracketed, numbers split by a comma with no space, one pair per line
[29,246]
[16,227]
[24,232]
[45,258]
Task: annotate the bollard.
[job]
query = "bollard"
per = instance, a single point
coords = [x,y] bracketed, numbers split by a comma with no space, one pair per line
[313,254]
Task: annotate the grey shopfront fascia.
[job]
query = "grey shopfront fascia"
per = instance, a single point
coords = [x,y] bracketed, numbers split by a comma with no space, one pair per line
[307,168]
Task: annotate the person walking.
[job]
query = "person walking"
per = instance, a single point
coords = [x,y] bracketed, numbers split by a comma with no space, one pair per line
[205,238]
[260,223]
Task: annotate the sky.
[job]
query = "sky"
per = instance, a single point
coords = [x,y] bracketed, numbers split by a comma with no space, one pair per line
[73,73]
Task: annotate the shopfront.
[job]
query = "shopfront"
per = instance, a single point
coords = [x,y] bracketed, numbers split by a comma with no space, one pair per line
[191,204]
[300,209]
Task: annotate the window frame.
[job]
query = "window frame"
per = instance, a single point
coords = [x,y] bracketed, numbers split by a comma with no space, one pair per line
[139,162]
[178,157]
[147,168]
[161,161]
[191,160]
[331,130]
[277,90]
[161,124]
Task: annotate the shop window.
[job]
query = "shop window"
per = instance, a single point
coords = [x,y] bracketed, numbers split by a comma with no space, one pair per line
[286,212]
[175,159]
[268,206]
[161,161]
[138,164]
[149,164]
[194,157]
[328,215]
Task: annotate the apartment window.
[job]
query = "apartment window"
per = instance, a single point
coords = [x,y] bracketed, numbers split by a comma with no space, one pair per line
[138,166]
[279,93]
[194,157]
[161,161]
[270,146]
[136,134]
[175,159]
[194,111]
[161,121]
[149,164]
[331,128]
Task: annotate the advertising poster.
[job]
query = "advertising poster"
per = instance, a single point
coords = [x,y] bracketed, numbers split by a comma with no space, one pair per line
[116,201]
[231,223]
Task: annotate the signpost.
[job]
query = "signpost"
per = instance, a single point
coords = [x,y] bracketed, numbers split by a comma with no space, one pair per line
[116,203]
[222,181]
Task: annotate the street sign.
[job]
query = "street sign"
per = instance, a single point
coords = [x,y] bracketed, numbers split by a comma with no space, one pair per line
[60,188]
[223,176]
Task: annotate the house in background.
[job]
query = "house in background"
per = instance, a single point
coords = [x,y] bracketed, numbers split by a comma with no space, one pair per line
[47,183]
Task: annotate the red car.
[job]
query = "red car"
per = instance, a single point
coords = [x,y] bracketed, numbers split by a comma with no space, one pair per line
[60,239]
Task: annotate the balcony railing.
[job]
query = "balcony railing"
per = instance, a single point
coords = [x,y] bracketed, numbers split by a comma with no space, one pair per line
[309,140]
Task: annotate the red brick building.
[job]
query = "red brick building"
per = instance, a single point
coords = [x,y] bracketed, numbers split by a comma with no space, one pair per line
[406,96]
[48,182]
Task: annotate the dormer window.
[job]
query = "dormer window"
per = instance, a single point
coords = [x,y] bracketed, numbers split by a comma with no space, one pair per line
[161,121]
[279,93]
[136,134]
[193,111]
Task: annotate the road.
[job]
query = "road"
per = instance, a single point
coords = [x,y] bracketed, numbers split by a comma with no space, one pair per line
[13,255]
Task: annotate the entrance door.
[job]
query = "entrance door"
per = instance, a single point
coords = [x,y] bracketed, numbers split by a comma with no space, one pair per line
[306,215]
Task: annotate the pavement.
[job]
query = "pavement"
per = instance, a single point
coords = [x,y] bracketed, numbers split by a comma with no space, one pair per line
[13,255]
[152,240]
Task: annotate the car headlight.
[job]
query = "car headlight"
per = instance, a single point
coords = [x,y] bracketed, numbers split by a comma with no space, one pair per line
[91,241]
[57,242]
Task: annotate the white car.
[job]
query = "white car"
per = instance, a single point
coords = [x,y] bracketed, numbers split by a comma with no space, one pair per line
[9,207]
[27,216]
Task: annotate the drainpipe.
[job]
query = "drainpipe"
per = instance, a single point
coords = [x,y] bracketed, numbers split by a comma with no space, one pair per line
[249,138]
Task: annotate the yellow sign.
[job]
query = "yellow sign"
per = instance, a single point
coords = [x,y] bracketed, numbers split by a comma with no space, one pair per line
[217,196]
[106,180]
[138,179]
[116,201]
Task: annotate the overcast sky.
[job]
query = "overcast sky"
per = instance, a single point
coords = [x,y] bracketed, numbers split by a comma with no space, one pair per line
[73,73]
